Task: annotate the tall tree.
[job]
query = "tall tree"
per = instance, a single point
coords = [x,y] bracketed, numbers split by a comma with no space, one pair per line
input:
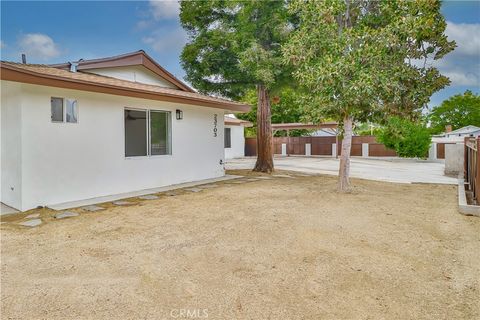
[236,46]
[458,111]
[359,59]
[287,106]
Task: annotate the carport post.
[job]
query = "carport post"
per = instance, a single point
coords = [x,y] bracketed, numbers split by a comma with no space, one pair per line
[334,150]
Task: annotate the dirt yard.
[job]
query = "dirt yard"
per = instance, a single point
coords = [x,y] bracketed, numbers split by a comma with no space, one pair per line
[285,248]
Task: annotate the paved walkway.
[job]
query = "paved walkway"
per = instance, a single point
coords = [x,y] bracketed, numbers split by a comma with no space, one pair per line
[4,209]
[389,169]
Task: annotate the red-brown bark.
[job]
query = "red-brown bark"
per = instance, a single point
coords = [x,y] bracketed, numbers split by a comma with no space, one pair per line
[264,132]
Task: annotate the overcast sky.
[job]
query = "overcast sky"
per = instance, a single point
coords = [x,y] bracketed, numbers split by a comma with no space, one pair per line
[60,31]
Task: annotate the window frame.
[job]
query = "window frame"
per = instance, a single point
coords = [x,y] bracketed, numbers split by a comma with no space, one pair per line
[169,132]
[77,109]
[229,137]
[148,133]
[63,110]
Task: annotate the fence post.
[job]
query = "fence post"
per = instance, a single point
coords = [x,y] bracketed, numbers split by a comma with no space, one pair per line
[334,150]
[432,152]
[477,172]
[308,149]
[284,149]
[364,150]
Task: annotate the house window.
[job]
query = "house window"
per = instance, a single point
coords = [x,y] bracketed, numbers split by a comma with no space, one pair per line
[71,111]
[147,132]
[57,109]
[135,133]
[228,137]
[64,110]
[159,132]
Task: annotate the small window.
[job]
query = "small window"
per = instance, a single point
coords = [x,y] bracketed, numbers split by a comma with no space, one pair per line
[135,133]
[228,137]
[57,109]
[72,111]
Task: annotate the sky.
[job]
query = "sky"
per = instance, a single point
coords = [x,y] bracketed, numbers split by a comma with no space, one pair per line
[60,31]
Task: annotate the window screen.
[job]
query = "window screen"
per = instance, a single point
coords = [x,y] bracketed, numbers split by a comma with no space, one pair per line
[159,132]
[135,133]
[72,111]
[57,109]
[228,138]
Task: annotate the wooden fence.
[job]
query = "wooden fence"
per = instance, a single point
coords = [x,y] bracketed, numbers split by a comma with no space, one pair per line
[472,168]
[321,146]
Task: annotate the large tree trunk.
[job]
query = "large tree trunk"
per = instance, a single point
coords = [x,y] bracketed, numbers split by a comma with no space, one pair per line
[344,170]
[264,132]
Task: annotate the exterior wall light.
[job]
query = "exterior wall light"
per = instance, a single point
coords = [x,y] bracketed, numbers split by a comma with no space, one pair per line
[179,114]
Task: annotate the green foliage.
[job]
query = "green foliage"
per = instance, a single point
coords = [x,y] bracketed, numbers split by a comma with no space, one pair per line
[234,45]
[458,111]
[287,107]
[367,129]
[359,58]
[407,138]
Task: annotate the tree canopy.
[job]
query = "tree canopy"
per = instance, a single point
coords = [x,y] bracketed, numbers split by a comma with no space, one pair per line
[458,111]
[234,45]
[367,58]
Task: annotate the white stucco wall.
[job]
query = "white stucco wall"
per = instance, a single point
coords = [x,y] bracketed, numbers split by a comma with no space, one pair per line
[454,157]
[133,73]
[62,162]
[237,149]
[11,144]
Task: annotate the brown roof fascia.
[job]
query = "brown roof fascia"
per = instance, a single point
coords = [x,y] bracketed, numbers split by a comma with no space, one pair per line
[129,59]
[12,74]
[237,122]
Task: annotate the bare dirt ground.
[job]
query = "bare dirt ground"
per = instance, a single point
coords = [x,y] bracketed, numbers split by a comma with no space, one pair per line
[286,248]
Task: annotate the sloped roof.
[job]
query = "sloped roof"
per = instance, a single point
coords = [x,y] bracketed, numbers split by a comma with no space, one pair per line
[464,130]
[231,121]
[128,59]
[81,80]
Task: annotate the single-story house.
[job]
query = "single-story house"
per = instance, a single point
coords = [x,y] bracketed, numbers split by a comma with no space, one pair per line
[93,128]
[458,135]
[235,136]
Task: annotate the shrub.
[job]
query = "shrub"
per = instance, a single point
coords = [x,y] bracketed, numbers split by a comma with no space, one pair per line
[408,139]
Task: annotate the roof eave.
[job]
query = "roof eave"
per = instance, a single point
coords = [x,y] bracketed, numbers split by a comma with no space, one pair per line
[129,59]
[10,73]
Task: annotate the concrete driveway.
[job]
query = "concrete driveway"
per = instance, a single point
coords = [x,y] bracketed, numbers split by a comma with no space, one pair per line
[387,169]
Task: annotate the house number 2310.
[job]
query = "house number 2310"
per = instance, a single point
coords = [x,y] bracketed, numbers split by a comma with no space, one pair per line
[215,122]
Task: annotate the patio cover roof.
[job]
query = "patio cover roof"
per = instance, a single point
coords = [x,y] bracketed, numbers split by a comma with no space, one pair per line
[293,126]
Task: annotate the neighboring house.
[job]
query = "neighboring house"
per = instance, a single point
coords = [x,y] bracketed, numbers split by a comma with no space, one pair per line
[456,135]
[235,137]
[93,128]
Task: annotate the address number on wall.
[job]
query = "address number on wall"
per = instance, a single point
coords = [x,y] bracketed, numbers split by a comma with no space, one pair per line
[215,122]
